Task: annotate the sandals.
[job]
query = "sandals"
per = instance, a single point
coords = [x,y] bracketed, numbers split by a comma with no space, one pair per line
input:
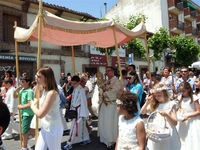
[111,147]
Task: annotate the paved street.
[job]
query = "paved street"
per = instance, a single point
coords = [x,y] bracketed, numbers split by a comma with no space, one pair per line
[14,144]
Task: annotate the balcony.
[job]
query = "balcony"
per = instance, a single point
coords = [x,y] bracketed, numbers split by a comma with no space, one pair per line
[191,31]
[190,14]
[198,19]
[176,26]
[175,7]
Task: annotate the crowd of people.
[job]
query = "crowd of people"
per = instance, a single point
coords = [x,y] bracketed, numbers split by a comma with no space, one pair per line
[123,103]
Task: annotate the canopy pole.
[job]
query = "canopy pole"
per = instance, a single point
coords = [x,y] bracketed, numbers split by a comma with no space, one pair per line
[17,73]
[147,55]
[172,79]
[107,56]
[118,59]
[38,62]
[73,61]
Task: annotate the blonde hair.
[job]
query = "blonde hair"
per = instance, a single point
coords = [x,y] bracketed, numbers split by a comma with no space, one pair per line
[158,88]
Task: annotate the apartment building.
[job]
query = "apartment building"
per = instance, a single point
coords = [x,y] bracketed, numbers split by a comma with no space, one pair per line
[184,19]
[180,17]
[57,57]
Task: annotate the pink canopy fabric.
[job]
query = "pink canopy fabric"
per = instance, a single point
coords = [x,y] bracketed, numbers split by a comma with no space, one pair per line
[64,32]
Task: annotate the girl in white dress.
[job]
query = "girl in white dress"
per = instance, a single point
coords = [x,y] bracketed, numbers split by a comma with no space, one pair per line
[160,101]
[189,126]
[50,135]
[131,128]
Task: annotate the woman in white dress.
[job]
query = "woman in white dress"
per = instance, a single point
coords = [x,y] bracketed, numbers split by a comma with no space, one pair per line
[50,135]
[160,101]
[131,128]
[189,126]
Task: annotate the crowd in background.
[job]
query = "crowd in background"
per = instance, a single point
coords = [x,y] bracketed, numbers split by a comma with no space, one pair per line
[123,102]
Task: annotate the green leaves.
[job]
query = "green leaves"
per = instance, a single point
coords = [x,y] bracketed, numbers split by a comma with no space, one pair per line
[186,50]
[136,46]
[158,42]
[103,50]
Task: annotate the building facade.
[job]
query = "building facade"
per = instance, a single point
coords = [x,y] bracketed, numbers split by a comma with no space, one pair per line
[57,57]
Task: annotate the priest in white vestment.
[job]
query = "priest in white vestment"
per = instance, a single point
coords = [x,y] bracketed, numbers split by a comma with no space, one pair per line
[108,115]
[78,131]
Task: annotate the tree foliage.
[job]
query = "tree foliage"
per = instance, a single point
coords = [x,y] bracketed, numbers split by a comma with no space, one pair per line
[186,50]
[136,46]
[159,42]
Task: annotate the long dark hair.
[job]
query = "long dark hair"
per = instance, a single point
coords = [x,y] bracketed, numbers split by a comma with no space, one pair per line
[186,85]
[197,90]
[50,78]
[136,80]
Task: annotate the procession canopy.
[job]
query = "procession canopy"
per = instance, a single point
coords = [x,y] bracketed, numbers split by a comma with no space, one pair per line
[64,32]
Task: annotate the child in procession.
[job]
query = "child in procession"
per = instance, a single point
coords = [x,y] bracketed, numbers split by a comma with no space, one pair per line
[131,128]
[159,100]
[26,96]
[51,132]
[188,112]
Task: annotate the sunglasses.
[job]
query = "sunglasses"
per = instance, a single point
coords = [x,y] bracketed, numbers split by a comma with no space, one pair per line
[129,78]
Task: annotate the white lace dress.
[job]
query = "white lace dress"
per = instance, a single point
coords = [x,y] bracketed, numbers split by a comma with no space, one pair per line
[173,143]
[127,139]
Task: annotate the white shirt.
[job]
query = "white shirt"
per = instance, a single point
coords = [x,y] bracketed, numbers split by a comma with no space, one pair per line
[10,101]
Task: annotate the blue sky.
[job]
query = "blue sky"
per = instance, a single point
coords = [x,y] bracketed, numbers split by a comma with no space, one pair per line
[93,7]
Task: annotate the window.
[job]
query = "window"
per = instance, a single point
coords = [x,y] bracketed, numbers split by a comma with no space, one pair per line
[76,48]
[8,30]
[172,17]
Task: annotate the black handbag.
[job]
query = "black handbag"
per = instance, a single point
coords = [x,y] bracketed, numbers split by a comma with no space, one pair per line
[71,114]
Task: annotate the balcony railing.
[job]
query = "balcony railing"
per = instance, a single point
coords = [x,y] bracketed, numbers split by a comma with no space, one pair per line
[191,30]
[176,26]
[190,15]
[198,19]
[175,6]
[179,6]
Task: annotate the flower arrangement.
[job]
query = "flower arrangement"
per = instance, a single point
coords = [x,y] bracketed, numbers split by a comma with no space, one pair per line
[158,89]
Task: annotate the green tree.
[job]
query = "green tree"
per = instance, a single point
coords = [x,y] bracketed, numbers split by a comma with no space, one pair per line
[159,42]
[186,50]
[136,46]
